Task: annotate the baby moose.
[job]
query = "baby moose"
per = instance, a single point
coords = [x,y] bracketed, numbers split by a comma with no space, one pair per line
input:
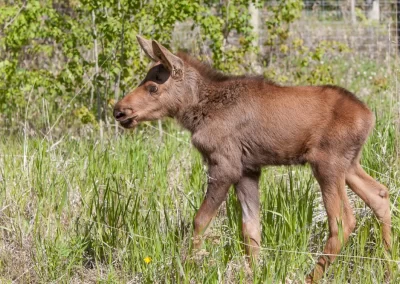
[240,124]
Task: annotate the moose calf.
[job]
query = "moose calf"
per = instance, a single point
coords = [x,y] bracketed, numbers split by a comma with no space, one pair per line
[240,124]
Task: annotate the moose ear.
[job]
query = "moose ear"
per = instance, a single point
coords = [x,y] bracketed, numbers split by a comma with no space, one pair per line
[147,47]
[173,63]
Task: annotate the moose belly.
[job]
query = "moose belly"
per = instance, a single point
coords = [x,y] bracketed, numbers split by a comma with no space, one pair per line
[261,156]
[266,147]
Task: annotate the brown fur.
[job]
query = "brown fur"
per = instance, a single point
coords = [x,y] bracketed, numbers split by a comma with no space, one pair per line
[240,124]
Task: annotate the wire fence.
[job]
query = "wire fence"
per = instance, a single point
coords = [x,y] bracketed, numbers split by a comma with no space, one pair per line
[370,29]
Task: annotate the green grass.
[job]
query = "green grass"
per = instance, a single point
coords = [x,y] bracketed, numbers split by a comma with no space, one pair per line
[87,210]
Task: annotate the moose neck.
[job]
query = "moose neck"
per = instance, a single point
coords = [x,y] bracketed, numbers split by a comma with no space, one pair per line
[189,111]
[203,97]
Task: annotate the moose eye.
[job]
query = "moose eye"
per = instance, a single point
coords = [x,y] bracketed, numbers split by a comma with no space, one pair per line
[153,89]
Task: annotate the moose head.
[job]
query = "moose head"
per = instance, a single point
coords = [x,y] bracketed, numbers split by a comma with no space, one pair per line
[159,94]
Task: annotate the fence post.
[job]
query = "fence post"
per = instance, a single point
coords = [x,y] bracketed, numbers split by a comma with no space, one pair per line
[373,11]
[255,23]
[398,24]
[353,11]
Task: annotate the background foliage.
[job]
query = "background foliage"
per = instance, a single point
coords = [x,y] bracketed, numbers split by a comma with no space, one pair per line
[76,57]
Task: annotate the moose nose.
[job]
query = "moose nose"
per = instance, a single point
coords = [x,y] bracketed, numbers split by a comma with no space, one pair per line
[121,114]
[118,114]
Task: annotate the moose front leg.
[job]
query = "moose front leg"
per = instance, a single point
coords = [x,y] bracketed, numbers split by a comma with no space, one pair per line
[220,177]
[216,194]
[248,195]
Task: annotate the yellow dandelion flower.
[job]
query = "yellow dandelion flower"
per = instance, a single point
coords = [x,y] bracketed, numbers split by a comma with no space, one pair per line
[147,259]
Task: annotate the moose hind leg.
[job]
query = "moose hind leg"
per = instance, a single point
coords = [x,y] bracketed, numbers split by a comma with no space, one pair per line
[248,195]
[375,195]
[341,219]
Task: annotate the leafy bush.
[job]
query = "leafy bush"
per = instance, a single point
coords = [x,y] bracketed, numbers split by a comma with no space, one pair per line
[84,53]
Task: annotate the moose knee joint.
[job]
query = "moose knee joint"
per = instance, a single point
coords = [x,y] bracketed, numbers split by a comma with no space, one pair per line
[384,193]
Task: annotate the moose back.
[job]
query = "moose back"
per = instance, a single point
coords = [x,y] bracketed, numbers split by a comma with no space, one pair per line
[241,123]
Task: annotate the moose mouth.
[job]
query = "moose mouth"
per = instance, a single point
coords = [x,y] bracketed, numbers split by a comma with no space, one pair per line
[129,123]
